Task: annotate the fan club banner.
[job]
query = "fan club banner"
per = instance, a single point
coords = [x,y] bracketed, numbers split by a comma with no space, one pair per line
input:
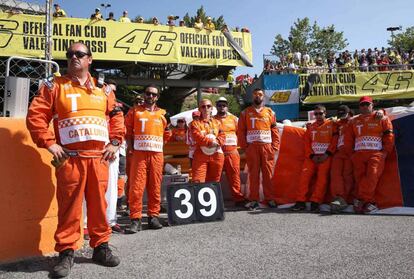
[349,87]
[282,95]
[24,35]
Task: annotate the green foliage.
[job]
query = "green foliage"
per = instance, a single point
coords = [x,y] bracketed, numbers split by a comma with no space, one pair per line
[190,20]
[403,41]
[125,94]
[313,39]
[234,106]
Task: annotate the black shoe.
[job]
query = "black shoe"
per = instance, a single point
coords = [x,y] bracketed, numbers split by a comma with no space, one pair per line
[136,226]
[117,229]
[163,209]
[314,207]
[253,205]
[154,223]
[103,255]
[299,206]
[62,269]
[272,204]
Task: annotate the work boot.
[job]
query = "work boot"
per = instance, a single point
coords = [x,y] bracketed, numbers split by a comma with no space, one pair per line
[314,208]
[154,223]
[369,208]
[116,229]
[103,255]
[358,206]
[338,205]
[62,269]
[272,204]
[136,226]
[299,206]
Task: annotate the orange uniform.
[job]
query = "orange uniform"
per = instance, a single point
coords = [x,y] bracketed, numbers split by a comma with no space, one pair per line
[179,134]
[370,140]
[342,180]
[147,130]
[320,138]
[231,155]
[258,134]
[207,161]
[80,116]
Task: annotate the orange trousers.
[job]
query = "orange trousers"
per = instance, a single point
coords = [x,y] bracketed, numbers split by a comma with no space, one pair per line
[260,158]
[207,168]
[232,169]
[146,171]
[309,169]
[342,178]
[76,178]
[368,168]
[128,173]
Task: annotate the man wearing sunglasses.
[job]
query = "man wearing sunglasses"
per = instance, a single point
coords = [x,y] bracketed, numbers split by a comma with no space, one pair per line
[370,139]
[321,139]
[147,131]
[259,136]
[231,154]
[82,146]
[208,158]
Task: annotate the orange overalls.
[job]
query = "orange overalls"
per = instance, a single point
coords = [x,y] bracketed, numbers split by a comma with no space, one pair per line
[342,179]
[207,168]
[80,116]
[370,140]
[231,155]
[147,130]
[320,138]
[257,133]
[178,134]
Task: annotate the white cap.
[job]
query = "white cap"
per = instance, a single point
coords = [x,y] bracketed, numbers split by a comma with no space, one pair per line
[221,99]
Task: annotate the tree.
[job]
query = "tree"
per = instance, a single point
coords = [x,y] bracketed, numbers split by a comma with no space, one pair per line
[313,39]
[403,41]
[190,20]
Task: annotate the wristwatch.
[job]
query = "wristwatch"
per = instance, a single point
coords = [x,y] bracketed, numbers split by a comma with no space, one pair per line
[115,142]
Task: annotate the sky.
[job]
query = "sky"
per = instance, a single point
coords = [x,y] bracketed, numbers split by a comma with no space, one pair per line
[364,22]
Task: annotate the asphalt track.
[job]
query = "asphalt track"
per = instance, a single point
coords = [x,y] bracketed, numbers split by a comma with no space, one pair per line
[260,244]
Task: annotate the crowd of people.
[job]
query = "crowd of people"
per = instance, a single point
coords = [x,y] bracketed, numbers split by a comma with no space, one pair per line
[171,20]
[91,134]
[384,59]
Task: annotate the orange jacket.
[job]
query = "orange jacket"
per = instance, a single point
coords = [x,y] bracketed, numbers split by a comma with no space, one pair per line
[83,115]
[321,138]
[148,129]
[367,133]
[201,129]
[343,126]
[258,127]
[229,127]
[179,134]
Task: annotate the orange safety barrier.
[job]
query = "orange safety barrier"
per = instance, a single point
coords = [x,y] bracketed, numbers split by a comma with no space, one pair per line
[27,195]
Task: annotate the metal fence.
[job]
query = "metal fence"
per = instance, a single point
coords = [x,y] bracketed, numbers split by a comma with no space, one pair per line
[15,6]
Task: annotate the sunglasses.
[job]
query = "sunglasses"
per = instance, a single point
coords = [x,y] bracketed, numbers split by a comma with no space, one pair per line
[221,105]
[150,94]
[206,106]
[318,113]
[180,121]
[364,104]
[78,54]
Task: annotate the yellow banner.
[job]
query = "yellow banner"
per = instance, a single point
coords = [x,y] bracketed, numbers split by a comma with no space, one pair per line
[349,87]
[24,35]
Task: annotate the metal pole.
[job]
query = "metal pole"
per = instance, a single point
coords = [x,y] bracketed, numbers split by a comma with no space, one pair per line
[48,43]
[198,93]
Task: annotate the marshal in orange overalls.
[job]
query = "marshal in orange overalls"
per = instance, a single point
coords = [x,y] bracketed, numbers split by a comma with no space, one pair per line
[80,116]
[319,139]
[258,134]
[147,130]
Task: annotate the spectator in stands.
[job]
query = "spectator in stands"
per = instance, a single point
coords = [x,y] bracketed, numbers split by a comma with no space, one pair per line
[189,140]
[182,23]
[155,21]
[245,30]
[111,17]
[348,67]
[209,24]
[97,15]
[364,63]
[124,17]
[237,29]
[180,131]
[140,20]
[383,63]
[198,24]
[171,20]
[58,11]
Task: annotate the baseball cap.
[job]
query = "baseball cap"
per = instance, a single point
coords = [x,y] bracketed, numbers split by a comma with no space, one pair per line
[366,99]
[196,113]
[221,99]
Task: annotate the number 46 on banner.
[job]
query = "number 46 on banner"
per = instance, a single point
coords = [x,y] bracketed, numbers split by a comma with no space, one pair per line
[280,97]
[188,203]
